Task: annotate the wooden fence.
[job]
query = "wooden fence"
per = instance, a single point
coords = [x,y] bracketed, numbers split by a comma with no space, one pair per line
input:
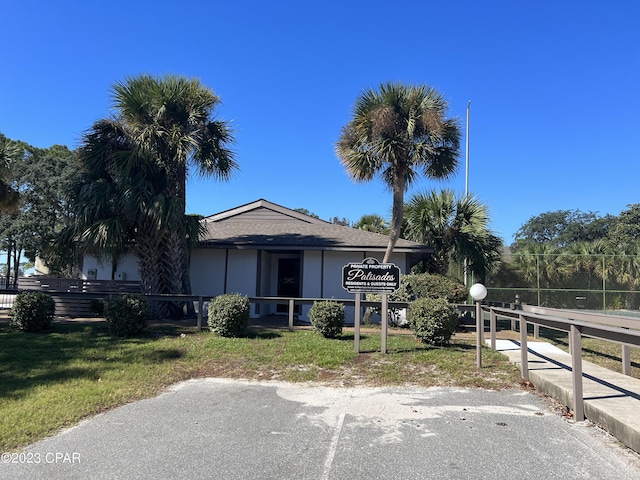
[80,305]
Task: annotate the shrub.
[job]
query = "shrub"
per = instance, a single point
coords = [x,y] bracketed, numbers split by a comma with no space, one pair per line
[423,285]
[327,317]
[427,285]
[433,320]
[126,315]
[32,311]
[228,315]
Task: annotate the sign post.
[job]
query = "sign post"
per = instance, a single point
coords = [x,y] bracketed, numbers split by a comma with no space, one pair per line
[356,324]
[371,276]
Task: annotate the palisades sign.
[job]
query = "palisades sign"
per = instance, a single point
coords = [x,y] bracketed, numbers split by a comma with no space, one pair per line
[370,276]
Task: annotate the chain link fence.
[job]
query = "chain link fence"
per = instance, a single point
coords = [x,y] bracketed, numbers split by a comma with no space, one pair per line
[567,280]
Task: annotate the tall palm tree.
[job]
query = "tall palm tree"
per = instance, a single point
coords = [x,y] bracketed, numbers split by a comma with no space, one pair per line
[161,127]
[399,132]
[457,228]
[171,121]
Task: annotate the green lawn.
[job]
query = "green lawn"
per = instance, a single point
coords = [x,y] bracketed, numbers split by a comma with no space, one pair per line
[49,381]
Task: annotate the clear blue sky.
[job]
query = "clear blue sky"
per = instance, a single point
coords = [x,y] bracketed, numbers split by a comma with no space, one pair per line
[553,85]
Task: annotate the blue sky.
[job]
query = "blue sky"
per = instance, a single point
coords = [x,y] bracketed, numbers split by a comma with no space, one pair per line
[553,85]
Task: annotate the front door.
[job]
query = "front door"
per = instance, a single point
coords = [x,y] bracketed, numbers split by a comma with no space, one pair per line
[288,281]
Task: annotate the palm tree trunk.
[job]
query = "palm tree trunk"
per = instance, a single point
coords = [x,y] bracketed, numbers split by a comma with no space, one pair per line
[397,214]
[173,253]
[149,252]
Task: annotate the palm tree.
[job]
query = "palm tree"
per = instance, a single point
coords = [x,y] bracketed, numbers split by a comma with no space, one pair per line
[399,132]
[457,228]
[9,153]
[372,223]
[171,121]
[142,156]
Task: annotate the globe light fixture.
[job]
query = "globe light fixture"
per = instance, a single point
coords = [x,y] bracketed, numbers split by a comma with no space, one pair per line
[478,292]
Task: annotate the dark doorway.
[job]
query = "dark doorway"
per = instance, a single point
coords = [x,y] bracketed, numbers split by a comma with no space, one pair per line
[288,281]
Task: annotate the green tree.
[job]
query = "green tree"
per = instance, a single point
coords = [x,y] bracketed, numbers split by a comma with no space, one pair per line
[305,212]
[44,178]
[564,227]
[372,223]
[161,128]
[457,228]
[399,132]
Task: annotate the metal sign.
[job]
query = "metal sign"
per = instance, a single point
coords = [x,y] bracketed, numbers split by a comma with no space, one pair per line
[370,276]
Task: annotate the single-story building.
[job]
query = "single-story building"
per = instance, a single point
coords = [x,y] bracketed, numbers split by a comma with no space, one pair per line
[262,249]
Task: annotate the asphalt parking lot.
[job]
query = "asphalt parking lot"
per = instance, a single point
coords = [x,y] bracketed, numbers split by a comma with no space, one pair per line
[226,429]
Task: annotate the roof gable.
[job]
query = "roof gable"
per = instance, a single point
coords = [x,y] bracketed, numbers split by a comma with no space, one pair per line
[262,211]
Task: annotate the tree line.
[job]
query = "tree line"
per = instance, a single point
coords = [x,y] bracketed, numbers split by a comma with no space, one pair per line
[571,249]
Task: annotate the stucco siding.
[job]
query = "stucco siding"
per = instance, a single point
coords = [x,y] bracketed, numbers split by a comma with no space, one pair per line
[127,268]
[242,272]
[207,272]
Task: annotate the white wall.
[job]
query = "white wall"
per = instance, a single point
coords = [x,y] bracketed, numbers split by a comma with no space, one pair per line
[398,259]
[207,271]
[311,278]
[321,273]
[242,271]
[127,265]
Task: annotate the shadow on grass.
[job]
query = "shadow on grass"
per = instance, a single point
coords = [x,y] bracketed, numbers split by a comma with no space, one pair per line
[260,334]
[72,350]
[350,337]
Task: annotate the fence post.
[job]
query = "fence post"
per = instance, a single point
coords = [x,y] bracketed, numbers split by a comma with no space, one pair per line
[492,328]
[200,302]
[626,360]
[576,367]
[524,349]
[291,308]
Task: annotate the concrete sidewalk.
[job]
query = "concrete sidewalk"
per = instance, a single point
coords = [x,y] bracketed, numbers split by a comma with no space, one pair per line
[611,399]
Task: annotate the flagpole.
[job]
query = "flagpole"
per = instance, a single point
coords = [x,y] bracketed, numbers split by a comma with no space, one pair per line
[466,178]
[466,181]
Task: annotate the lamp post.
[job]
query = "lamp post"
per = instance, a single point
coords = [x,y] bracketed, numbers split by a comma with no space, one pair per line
[478,292]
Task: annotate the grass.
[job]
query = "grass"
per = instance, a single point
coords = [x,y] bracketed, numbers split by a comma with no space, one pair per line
[52,380]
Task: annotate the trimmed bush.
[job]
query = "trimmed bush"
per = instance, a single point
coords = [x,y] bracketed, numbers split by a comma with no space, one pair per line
[423,285]
[228,315]
[126,315]
[433,320]
[327,317]
[435,286]
[32,311]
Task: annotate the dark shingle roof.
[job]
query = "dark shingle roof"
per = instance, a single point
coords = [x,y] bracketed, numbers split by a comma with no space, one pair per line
[262,224]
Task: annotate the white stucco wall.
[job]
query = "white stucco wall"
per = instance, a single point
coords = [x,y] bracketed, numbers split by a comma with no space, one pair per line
[207,272]
[321,273]
[242,270]
[127,268]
